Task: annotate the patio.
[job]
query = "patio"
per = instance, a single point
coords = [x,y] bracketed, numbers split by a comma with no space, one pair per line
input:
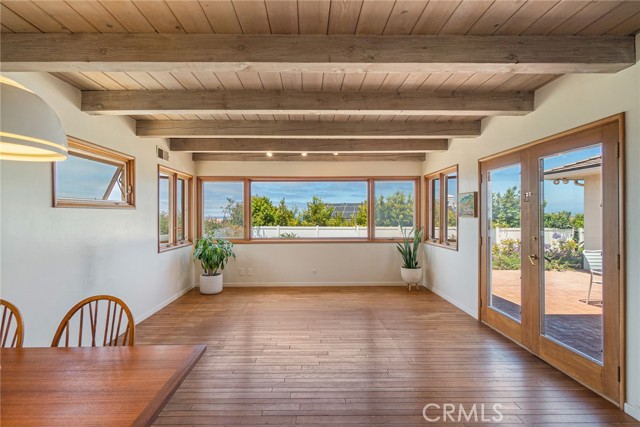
[569,320]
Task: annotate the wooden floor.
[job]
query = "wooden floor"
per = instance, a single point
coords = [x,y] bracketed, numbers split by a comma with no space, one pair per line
[356,357]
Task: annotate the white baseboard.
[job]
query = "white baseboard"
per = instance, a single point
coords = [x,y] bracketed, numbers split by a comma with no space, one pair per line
[163,304]
[310,284]
[632,410]
[461,306]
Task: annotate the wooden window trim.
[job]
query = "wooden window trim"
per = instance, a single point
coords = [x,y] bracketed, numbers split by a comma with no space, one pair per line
[89,151]
[441,240]
[247,205]
[173,243]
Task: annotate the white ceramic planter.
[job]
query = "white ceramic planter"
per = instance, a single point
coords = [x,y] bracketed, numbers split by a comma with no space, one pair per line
[411,275]
[211,284]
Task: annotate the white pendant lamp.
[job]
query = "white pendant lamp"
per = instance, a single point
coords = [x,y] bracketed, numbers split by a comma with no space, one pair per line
[30,130]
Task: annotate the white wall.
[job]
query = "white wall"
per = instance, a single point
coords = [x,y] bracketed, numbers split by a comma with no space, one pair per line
[293,264]
[567,103]
[52,258]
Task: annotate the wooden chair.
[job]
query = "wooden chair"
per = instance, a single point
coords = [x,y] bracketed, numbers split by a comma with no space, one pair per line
[594,261]
[116,315]
[9,328]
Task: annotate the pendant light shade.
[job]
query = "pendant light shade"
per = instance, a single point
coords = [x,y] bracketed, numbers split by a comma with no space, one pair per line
[29,129]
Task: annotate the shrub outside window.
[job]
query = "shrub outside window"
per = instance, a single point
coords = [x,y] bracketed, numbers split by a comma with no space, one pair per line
[304,209]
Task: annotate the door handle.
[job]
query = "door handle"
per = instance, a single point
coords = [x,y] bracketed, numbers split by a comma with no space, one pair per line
[532,259]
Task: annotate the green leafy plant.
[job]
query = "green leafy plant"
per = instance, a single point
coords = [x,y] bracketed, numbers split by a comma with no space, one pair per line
[213,254]
[409,248]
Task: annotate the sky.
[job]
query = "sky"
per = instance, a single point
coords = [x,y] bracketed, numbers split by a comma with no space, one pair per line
[298,193]
[77,177]
[562,197]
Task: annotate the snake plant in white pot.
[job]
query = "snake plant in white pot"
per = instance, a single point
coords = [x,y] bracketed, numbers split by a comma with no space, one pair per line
[213,255]
[411,271]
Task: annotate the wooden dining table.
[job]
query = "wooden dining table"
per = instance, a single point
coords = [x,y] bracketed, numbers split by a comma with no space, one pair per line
[104,386]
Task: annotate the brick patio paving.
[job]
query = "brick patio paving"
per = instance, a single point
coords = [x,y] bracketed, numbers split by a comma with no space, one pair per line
[569,319]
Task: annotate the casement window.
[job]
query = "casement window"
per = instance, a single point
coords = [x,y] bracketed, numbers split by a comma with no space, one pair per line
[442,204]
[93,177]
[306,209]
[174,208]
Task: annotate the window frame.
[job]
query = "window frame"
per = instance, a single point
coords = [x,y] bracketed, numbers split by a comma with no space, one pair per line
[370,206]
[93,152]
[187,240]
[442,239]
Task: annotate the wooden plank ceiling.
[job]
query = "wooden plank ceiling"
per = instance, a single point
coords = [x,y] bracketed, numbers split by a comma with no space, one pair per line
[446,101]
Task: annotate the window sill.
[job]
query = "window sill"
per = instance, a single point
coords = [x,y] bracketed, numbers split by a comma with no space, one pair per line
[167,248]
[442,245]
[91,204]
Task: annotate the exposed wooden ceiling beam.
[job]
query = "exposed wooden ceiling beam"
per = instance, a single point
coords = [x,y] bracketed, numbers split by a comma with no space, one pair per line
[255,145]
[349,157]
[305,129]
[303,102]
[315,53]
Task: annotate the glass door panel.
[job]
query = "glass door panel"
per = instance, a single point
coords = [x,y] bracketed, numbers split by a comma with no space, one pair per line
[505,241]
[571,240]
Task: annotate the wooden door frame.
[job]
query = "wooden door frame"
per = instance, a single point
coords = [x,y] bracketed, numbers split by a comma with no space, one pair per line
[609,128]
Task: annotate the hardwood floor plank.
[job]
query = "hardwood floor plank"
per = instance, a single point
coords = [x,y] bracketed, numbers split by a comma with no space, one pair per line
[354,357]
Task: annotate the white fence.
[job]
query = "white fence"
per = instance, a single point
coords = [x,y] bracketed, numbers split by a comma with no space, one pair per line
[274,232]
[551,235]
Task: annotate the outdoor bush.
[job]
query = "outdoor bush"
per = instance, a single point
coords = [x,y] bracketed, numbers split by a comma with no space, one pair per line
[562,255]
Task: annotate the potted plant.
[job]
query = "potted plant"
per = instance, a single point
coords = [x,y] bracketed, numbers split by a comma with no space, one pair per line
[213,254]
[411,271]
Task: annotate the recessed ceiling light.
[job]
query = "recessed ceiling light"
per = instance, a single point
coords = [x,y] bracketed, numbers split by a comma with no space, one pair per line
[335,154]
[304,154]
[269,154]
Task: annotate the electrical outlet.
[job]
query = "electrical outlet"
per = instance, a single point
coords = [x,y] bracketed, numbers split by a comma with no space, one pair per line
[250,271]
[241,272]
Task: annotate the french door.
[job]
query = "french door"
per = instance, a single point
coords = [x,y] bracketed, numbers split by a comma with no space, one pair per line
[550,252]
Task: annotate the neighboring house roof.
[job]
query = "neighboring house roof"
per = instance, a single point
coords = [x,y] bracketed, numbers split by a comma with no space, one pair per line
[587,166]
[348,210]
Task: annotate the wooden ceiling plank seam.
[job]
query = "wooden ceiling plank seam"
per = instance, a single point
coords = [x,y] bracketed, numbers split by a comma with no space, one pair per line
[313,16]
[373,81]
[222,16]
[126,81]
[414,81]
[465,16]
[344,16]
[283,17]
[95,13]
[332,81]
[252,15]
[103,80]
[129,16]
[191,16]
[374,16]
[612,19]
[250,80]
[312,81]
[208,80]
[167,80]
[67,16]
[229,80]
[587,16]
[160,16]
[453,82]
[271,80]
[495,17]
[405,20]
[555,17]
[434,17]
[631,25]
[188,80]
[35,16]
[5,29]
[146,80]
[291,80]
[529,13]
[393,81]
[15,22]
